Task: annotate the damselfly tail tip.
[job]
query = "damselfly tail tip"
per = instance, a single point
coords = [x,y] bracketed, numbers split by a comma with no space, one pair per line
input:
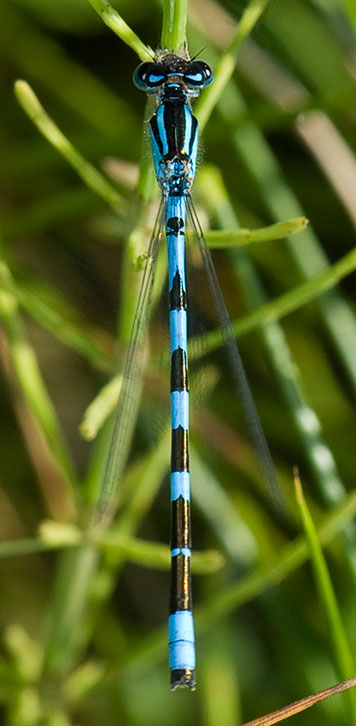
[183,678]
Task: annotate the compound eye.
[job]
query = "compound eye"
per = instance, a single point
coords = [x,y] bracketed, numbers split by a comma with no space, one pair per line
[198,75]
[149,75]
[141,74]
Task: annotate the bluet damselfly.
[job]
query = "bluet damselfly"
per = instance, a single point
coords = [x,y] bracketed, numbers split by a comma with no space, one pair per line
[174,80]
[174,138]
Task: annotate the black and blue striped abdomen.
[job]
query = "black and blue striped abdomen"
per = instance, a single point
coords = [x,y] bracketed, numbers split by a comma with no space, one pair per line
[174,144]
[181,629]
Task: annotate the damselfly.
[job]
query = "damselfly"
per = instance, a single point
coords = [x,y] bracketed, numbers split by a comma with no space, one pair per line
[174,80]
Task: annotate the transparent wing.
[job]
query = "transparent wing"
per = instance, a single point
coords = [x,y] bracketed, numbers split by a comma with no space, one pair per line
[125,416]
[266,467]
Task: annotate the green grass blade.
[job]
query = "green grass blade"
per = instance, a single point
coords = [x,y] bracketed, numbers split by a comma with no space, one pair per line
[307,423]
[220,239]
[287,303]
[321,62]
[342,652]
[56,535]
[66,627]
[351,9]
[174,25]
[35,54]
[48,212]
[91,176]
[100,408]
[226,65]
[223,603]
[235,536]
[219,680]
[157,556]
[28,374]
[115,22]
[306,251]
[64,329]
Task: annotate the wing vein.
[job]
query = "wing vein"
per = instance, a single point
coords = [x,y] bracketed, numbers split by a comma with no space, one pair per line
[127,406]
[266,466]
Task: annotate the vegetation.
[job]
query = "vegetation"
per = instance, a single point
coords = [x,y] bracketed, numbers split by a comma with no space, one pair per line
[84,610]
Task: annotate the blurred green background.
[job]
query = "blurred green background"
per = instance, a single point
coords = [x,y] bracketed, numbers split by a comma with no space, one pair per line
[84,637]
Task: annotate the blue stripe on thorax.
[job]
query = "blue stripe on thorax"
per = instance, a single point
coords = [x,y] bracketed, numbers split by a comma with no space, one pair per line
[181,149]
[156,153]
[162,128]
[188,116]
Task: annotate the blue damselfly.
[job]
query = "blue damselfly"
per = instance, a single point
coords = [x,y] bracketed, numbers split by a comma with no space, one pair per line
[174,80]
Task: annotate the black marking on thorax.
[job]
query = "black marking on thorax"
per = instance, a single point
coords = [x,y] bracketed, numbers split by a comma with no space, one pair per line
[174,126]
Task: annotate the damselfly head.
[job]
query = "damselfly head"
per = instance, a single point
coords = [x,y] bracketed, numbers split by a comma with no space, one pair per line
[174,70]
